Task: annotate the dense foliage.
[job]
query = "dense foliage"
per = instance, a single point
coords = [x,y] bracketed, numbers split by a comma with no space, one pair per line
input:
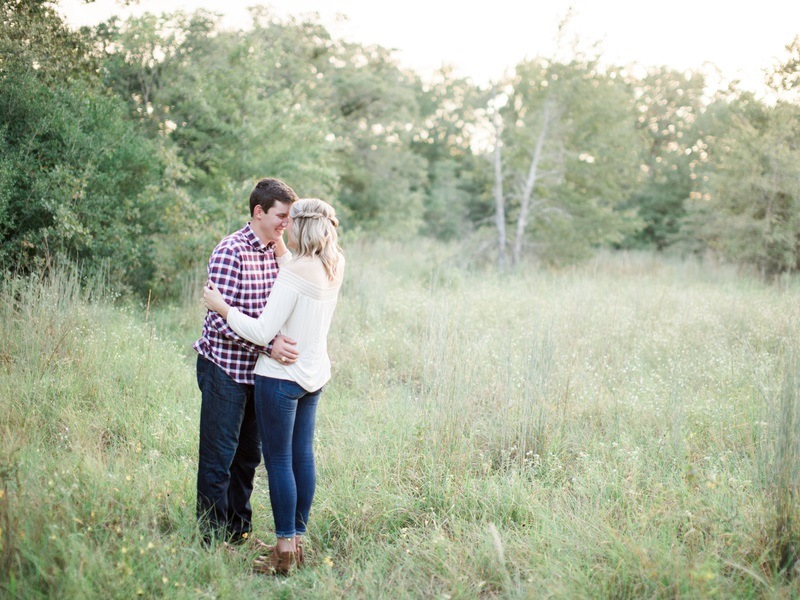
[78,178]
[131,147]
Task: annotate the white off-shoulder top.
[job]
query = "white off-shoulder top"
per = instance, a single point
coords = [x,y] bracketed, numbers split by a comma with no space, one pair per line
[300,306]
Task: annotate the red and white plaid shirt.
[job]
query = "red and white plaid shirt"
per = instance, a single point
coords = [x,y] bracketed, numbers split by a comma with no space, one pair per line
[243,269]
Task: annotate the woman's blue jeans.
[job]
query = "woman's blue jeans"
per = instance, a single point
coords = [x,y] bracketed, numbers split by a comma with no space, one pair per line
[286,414]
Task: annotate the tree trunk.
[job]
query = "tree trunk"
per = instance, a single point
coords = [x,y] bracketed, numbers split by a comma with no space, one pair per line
[499,202]
[530,183]
[766,265]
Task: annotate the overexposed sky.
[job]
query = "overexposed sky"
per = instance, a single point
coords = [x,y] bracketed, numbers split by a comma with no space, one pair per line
[740,38]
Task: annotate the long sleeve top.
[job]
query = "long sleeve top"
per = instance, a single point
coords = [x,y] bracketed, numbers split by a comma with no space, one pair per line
[244,270]
[301,307]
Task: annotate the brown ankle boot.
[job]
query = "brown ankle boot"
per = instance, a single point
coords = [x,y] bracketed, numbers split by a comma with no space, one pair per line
[275,562]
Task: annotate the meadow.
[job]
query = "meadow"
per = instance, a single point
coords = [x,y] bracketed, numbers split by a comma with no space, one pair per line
[629,428]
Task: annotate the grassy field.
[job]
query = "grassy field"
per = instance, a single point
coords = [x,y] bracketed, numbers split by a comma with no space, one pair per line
[626,429]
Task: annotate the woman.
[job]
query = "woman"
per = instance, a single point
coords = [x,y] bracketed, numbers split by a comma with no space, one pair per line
[301,307]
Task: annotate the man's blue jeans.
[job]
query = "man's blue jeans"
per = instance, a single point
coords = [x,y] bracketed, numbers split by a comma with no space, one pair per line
[286,415]
[229,454]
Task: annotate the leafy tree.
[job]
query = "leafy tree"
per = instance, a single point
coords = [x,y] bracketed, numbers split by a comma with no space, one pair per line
[570,158]
[135,144]
[749,211]
[450,109]
[138,55]
[33,35]
[237,104]
[668,104]
[375,116]
[784,78]
[225,107]
[72,168]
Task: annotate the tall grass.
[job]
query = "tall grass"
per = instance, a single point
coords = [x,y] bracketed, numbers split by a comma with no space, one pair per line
[625,429]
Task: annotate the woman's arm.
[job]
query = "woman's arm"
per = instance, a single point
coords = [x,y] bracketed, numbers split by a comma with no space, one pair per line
[279,308]
[281,303]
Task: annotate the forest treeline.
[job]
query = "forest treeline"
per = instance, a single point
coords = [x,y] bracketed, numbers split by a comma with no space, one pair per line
[130,148]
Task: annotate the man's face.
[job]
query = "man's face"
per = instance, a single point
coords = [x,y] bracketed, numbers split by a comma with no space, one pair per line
[271,224]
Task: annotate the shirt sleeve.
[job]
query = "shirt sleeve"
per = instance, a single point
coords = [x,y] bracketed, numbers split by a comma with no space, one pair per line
[262,330]
[224,269]
[282,260]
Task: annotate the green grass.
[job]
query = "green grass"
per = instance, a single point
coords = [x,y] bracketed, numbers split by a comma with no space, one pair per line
[627,429]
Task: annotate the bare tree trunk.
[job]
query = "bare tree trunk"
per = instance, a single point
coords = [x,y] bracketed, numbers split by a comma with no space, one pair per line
[499,202]
[530,183]
[765,245]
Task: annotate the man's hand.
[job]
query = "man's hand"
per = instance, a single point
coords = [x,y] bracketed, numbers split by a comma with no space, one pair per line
[284,350]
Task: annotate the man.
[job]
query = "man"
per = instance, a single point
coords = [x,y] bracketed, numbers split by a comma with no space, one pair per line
[243,266]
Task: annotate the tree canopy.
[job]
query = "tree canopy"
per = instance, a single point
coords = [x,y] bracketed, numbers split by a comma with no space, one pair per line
[131,147]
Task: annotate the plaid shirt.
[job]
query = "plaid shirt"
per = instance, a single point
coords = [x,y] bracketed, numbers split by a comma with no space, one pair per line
[243,269]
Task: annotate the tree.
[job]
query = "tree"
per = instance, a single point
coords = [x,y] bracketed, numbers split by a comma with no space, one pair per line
[749,211]
[225,108]
[375,116]
[784,78]
[570,157]
[138,56]
[236,104]
[450,109]
[668,104]
[499,195]
[73,169]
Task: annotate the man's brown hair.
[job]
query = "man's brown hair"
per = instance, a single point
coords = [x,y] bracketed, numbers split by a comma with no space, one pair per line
[267,192]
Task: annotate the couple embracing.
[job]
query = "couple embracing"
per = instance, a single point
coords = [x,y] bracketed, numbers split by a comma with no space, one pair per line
[261,366]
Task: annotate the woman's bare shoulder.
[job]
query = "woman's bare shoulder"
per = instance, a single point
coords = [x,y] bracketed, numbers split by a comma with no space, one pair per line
[313,271]
[302,266]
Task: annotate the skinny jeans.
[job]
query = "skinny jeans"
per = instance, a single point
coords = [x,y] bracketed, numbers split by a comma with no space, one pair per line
[286,415]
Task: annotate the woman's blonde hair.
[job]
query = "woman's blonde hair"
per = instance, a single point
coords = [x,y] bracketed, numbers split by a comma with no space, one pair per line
[314,231]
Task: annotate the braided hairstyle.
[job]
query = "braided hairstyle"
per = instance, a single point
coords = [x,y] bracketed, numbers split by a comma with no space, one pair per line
[314,231]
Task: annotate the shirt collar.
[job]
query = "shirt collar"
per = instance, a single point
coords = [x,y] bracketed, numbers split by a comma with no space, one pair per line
[253,240]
